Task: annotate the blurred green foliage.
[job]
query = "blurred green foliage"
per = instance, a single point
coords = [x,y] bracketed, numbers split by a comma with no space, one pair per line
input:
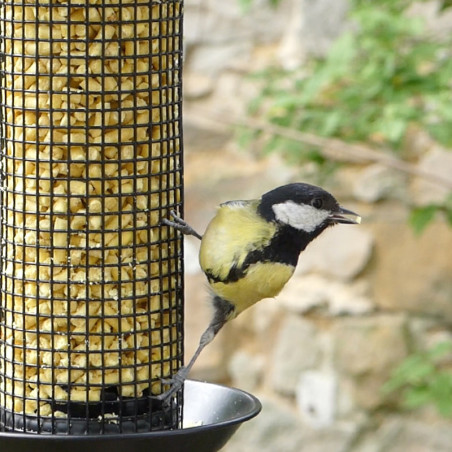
[423,379]
[247,4]
[379,78]
[421,216]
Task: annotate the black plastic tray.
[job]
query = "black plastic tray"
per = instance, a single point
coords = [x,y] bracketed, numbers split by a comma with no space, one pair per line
[212,414]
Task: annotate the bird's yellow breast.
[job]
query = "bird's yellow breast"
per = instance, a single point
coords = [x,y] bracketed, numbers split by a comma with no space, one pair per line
[262,280]
[236,231]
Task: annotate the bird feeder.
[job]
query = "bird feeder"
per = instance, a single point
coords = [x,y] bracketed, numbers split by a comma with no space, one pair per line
[91,283]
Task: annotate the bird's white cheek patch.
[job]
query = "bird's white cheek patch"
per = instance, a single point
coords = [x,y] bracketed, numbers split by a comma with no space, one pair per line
[300,216]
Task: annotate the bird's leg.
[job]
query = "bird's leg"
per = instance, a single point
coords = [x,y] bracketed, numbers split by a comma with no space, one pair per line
[181,225]
[179,378]
[222,313]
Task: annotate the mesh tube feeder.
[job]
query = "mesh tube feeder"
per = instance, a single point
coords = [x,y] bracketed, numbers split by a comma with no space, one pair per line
[91,284]
[91,160]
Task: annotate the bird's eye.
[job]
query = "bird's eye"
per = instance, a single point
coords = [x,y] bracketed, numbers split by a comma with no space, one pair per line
[317,203]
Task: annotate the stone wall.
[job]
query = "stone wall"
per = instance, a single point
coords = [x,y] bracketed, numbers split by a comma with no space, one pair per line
[363,297]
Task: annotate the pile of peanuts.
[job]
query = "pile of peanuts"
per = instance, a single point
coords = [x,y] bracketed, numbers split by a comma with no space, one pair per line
[91,164]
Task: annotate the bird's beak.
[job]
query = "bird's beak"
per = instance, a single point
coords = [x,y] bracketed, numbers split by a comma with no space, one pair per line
[345,216]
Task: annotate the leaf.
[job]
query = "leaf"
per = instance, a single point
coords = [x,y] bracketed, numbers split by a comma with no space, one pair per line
[445,407]
[441,390]
[413,371]
[331,123]
[245,5]
[245,137]
[422,381]
[416,397]
[448,213]
[439,350]
[445,4]
[421,216]
[394,129]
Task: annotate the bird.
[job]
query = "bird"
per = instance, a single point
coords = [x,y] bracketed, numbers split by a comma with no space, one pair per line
[250,250]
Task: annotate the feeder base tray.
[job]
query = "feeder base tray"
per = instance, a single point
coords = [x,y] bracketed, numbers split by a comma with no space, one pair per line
[212,414]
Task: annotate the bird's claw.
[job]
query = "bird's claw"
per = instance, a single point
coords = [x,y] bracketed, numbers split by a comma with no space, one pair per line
[180,225]
[176,383]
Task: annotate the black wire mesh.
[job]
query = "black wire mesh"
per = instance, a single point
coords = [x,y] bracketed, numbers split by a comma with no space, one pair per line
[91,160]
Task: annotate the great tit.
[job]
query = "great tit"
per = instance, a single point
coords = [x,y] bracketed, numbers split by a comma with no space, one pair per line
[250,250]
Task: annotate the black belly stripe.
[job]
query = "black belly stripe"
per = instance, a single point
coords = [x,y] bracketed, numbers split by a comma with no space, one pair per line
[284,248]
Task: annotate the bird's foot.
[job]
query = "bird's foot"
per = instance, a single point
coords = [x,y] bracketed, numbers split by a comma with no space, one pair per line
[180,225]
[176,383]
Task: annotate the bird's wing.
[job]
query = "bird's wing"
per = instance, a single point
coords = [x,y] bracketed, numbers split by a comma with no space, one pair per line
[233,233]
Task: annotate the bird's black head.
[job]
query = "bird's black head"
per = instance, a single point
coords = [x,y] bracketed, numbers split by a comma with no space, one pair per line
[304,207]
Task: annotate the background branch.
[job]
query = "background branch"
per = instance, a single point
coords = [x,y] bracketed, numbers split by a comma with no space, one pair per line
[331,148]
